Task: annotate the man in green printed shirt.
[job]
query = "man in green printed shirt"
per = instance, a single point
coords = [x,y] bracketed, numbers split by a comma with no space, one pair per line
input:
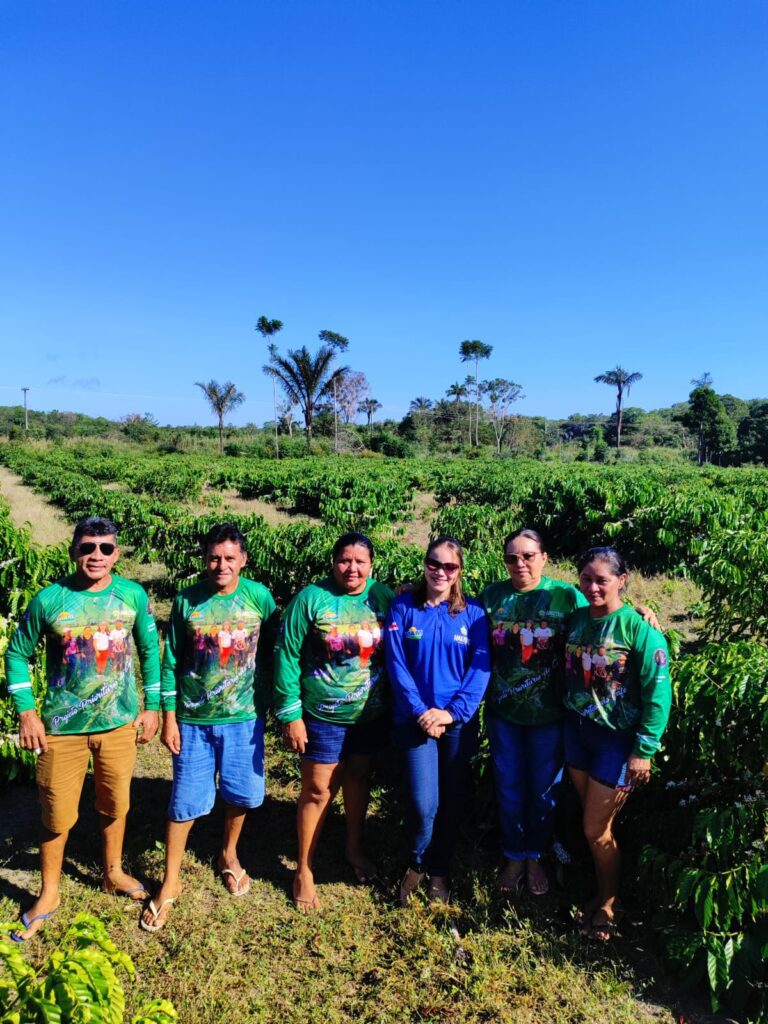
[214,692]
[90,621]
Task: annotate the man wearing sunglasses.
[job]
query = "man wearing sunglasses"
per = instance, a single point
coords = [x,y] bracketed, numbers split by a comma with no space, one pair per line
[91,621]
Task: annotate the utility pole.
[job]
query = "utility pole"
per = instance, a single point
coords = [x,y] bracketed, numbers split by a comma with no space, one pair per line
[26,415]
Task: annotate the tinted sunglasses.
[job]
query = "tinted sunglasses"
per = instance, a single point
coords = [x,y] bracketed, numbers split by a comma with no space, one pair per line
[449,568]
[89,546]
[527,556]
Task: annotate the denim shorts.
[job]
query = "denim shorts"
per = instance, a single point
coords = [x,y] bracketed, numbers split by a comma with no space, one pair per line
[234,751]
[331,742]
[597,750]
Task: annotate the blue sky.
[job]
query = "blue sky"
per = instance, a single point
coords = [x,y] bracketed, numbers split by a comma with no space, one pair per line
[577,183]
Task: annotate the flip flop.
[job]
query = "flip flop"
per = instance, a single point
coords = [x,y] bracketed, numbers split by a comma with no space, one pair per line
[156,912]
[18,937]
[438,891]
[306,906]
[537,885]
[362,876]
[511,889]
[604,931]
[238,879]
[128,894]
[412,879]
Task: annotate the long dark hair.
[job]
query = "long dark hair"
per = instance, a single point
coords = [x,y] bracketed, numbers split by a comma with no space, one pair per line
[457,602]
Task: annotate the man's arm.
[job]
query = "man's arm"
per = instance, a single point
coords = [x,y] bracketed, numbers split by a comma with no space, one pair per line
[20,650]
[148,648]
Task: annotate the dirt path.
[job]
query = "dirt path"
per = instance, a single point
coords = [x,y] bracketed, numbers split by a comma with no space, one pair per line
[275,515]
[48,525]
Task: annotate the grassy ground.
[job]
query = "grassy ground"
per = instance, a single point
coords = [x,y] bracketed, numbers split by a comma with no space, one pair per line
[361,958]
[48,525]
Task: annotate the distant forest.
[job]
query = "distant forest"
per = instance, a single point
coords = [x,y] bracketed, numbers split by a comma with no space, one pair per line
[708,428]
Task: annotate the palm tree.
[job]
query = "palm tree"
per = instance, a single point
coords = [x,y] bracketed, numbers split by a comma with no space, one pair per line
[370,406]
[620,379]
[421,404]
[457,391]
[268,329]
[475,351]
[222,398]
[306,378]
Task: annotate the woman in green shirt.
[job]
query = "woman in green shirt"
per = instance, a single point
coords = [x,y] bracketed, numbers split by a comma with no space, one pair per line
[524,704]
[618,698]
[332,697]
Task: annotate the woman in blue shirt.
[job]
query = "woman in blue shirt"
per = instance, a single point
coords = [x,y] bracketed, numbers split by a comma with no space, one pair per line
[436,644]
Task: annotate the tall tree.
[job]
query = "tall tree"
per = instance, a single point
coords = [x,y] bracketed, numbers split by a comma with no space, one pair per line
[222,398]
[352,389]
[268,329]
[421,404]
[622,380]
[457,391]
[370,407]
[307,378]
[474,351]
[707,417]
[501,394]
[340,343]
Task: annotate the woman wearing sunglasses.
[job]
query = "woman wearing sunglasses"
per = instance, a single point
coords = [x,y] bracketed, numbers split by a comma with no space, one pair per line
[524,705]
[528,614]
[436,644]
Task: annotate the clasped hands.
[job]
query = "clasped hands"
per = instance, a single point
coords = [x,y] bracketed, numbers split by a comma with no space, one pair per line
[434,722]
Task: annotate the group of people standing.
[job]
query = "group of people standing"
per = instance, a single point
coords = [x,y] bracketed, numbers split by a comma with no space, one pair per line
[349,669]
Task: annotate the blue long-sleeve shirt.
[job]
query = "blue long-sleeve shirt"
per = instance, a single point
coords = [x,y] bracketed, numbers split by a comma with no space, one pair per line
[435,659]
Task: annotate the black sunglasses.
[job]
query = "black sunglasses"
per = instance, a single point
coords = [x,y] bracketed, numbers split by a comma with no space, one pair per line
[89,546]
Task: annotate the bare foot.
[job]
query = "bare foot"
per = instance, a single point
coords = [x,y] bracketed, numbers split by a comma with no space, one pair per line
[437,890]
[305,896]
[155,916]
[536,879]
[34,918]
[511,877]
[363,868]
[118,883]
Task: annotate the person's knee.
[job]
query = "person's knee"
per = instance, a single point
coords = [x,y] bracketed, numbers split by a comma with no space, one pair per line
[317,791]
[598,832]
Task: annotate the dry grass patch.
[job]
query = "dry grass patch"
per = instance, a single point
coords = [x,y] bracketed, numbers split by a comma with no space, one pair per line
[47,524]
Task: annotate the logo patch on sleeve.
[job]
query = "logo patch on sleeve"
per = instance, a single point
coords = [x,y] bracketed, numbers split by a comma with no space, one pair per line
[660,657]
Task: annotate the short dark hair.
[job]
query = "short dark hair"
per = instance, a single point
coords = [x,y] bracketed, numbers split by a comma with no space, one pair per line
[220,533]
[351,539]
[93,526]
[609,555]
[526,531]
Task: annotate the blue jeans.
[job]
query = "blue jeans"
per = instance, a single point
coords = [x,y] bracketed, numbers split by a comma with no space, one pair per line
[527,769]
[436,775]
[234,750]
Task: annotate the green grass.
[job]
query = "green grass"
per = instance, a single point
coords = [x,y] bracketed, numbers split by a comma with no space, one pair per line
[361,958]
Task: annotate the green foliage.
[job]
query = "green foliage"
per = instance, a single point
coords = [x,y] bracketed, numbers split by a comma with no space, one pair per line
[79,982]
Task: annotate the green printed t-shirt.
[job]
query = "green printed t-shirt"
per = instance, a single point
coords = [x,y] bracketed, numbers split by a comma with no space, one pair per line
[211,673]
[89,638]
[617,674]
[527,643]
[329,658]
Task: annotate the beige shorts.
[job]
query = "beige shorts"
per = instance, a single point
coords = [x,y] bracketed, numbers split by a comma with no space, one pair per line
[61,771]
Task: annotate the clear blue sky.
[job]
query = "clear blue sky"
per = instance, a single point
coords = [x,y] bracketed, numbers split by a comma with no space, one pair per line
[578,184]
